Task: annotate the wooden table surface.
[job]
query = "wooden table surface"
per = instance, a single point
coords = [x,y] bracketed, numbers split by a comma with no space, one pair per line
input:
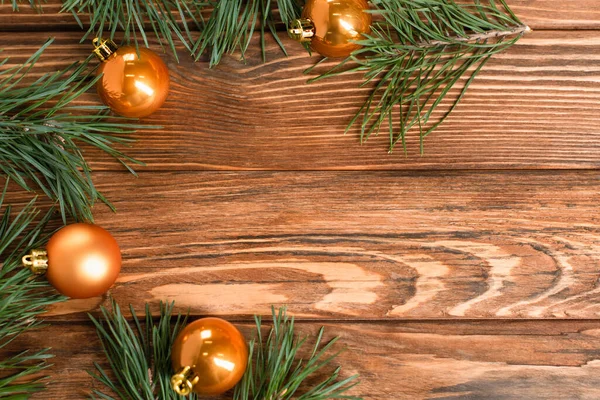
[469,272]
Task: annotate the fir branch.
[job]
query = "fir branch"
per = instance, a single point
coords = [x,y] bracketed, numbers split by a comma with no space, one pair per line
[421,50]
[40,134]
[232,25]
[139,356]
[169,20]
[22,300]
[276,370]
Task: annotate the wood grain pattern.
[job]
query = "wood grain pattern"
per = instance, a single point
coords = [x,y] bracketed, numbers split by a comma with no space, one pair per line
[445,281]
[539,14]
[535,106]
[407,360]
[358,245]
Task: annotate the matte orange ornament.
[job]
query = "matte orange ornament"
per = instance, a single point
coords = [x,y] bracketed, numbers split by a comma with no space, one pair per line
[80,261]
[135,82]
[331,25]
[209,356]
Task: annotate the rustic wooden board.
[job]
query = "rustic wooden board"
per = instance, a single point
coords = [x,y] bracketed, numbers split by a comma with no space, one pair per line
[357,245]
[443,284]
[406,360]
[539,14]
[535,106]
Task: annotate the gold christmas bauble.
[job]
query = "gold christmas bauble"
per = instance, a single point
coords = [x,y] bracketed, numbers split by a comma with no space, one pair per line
[80,261]
[209,357]
[332,25]
[132,84]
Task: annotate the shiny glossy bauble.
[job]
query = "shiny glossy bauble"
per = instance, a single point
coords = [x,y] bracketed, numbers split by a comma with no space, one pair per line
[132,84]
[209,357]
[84,261]
[337,23]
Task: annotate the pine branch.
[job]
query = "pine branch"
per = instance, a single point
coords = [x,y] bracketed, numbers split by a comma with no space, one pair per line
[22,300]
[139,357]
[169,20]
[416,56]
[229,28]
[41,134]
[232,25]
[276,370]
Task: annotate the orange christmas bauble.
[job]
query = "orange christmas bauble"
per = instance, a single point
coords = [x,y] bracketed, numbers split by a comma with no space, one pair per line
[84,261]
[331,26]
[134,82]
[209,357]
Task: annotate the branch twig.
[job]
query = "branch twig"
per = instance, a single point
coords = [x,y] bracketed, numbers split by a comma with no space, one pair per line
[477,37]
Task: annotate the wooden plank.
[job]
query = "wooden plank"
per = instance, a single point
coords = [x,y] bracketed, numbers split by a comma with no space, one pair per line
[404,360]
[356,245]
[539,14]
[535,106]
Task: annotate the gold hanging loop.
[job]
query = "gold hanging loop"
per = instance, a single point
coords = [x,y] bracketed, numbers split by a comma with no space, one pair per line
[36,261]
[302,30]
[183,382]
[104,48]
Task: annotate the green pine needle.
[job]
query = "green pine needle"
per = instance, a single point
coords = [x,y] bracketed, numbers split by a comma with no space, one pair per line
[168,21]
[229,28]
[276,367]
[232,25]
[418,53]
[139,355]
[41,134]
[22,300]
[35,4]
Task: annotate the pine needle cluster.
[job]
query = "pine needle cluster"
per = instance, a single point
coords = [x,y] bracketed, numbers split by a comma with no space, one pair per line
[168,21]
[139,355]
[206,28]
[276,369]
[42,133]
[418,53]
[232,25]
[15,3]
[22,300]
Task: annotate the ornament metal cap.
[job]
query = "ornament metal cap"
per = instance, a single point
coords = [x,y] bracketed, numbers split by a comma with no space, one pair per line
[183,382]
[104,48]
[302,30]
[36,261]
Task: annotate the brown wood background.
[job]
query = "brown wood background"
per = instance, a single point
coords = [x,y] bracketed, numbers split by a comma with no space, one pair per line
[469,272]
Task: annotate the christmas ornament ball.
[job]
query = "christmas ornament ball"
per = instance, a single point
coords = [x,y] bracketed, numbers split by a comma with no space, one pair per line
[332,25]
[84,260]
[134,82]
[209,356]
